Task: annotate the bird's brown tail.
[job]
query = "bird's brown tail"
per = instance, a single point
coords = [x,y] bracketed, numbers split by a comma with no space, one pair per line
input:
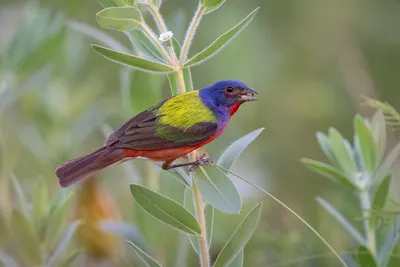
[77,169]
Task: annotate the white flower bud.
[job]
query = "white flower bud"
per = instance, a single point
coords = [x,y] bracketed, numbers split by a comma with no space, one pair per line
[165,36]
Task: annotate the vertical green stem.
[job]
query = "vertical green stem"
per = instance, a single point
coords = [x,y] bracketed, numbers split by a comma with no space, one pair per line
[161,25]
[190,34]
[365,203]
[204,254]
[178,66]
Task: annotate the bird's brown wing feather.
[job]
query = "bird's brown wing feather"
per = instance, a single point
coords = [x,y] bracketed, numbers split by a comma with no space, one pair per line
[143,132]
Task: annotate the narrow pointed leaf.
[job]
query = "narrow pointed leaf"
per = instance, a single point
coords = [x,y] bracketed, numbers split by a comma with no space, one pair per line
[27,239]
[211,5]
[342,220]
[232,152]
[132,61]
[221,41]
[165,209]
[365,259]
[217,189]
[19,193]
[329,172]
[325,145]
[240,237]
[148,260]
[341,152]
[119,18]
[40,204]
[69,260]
[378,128]
[382,193]
[55,222]
[237,260]
[63,246]
[389,243]
[367,143]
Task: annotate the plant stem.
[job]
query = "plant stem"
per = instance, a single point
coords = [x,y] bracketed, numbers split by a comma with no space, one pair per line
[365,203]
[190,33]
[199,205]
[152,36]
[205,258]
[162,26]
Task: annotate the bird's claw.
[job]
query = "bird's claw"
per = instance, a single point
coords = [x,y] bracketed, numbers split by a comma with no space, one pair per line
[202,160]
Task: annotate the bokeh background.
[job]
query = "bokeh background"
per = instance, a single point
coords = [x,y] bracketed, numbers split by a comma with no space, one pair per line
[311,61]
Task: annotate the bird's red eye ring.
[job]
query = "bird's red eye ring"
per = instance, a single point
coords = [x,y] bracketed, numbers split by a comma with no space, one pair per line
[229,89]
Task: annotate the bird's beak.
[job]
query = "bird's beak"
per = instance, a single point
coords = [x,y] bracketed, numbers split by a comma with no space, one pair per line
[248,95]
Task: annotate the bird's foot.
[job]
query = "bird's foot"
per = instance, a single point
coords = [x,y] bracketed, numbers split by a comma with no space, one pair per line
[204,159]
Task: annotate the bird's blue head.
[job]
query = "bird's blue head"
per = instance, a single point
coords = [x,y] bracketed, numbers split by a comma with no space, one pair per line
[227,95]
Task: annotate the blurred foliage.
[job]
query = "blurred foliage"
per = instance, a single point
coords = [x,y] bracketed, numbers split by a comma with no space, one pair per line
[311,62]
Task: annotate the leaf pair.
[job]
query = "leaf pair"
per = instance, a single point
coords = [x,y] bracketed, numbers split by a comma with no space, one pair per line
[232,252]
[127,19]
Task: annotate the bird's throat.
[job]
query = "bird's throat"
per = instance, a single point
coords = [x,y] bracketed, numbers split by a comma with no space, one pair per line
[234,108]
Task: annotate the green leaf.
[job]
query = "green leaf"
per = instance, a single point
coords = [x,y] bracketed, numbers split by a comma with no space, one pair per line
[342,220]
[211,5]
[132,61]
[237,260]
[105,3]
[27,240]
[365,259]
[329,172]
[232,152]
[387,165]
[55,222]
[367,143]
[69,259]
[325,145]
[217,189]
[23,204]
[209,215]
[221,41]
[148,260]
[240,237]
[144,45]
[63,246]
[382,193]
[342,153]
[165,209]
[389,243]
[40,204]
[378,128]
[119,18]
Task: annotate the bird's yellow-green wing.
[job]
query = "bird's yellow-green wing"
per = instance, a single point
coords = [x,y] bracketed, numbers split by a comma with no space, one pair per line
[182,120]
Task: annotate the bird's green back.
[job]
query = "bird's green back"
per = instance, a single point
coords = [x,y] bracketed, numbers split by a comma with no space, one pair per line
[185,110]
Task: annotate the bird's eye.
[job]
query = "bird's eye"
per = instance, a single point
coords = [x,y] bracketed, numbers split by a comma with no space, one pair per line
[229,89]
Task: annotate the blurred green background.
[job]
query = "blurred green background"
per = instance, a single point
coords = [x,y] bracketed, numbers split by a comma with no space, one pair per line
[311,61]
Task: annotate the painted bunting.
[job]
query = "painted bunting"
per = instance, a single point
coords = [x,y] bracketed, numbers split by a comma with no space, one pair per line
[166,131]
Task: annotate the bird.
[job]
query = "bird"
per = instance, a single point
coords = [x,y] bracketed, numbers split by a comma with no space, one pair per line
[166,131]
